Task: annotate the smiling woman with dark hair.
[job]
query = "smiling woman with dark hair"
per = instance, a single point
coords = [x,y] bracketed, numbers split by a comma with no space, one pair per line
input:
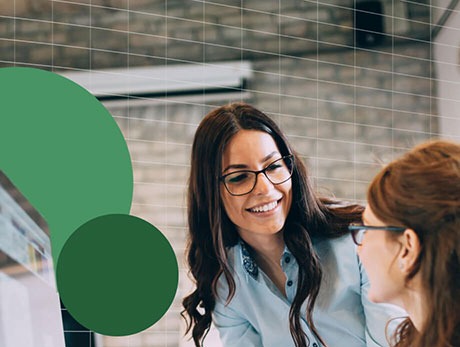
[411,243]
[273,264]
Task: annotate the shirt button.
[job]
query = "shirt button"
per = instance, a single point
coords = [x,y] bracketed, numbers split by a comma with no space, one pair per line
[315,344]
[289,283]
[287,260]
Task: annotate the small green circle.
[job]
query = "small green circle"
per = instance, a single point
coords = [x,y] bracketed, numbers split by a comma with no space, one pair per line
[117,274]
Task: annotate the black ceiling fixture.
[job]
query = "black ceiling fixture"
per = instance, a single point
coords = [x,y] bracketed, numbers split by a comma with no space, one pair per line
[368,23]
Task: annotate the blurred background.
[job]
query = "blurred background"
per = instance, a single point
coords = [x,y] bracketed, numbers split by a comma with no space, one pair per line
[352,83]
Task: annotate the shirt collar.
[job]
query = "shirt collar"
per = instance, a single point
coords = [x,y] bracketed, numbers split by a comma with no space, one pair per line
[249,264]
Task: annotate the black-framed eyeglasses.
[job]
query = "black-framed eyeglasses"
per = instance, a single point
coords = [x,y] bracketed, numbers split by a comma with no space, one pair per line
[358,231]
[242,182]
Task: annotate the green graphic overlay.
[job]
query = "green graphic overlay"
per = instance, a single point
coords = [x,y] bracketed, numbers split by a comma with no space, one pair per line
[66,154]
[63,150]
[133,260]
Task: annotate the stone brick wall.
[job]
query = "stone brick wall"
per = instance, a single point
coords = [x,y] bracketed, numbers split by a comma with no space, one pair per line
[343,108]
[109,33]
[350,108]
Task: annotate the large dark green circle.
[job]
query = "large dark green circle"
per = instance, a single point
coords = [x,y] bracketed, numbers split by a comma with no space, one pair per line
[117,274]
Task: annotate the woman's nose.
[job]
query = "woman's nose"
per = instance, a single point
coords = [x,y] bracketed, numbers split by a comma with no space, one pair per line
[263,184]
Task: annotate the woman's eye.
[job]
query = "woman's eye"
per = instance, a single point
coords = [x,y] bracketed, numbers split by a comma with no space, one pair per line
[237,178]
[274,166]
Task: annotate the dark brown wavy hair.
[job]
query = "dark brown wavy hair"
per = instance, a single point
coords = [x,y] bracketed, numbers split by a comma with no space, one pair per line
[211,231]
[421,191]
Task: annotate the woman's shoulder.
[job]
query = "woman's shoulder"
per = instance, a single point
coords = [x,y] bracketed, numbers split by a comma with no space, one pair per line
[233,260]
[342,244]
[338,257]
[240,269]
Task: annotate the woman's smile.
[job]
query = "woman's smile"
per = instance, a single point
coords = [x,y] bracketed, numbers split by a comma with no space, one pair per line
[267,208]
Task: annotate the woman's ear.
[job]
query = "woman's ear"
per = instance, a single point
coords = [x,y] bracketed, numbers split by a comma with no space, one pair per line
[409,251]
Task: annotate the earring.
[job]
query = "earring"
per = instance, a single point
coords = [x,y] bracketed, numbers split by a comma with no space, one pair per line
[401,264]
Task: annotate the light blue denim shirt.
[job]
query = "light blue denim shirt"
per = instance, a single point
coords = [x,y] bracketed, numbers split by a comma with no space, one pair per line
[258,314]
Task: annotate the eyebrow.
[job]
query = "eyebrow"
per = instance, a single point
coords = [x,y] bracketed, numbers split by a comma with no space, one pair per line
[244,166]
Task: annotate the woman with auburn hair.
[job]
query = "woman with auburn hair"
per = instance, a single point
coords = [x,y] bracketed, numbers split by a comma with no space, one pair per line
[273,264]
[410,243]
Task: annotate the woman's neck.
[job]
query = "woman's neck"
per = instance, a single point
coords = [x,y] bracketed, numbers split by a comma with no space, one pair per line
[413,302]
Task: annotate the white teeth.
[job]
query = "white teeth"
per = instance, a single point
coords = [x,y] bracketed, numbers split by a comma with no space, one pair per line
[265,208]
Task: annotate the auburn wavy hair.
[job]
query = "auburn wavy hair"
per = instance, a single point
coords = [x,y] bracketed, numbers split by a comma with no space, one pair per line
[421,191]
[211,231]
